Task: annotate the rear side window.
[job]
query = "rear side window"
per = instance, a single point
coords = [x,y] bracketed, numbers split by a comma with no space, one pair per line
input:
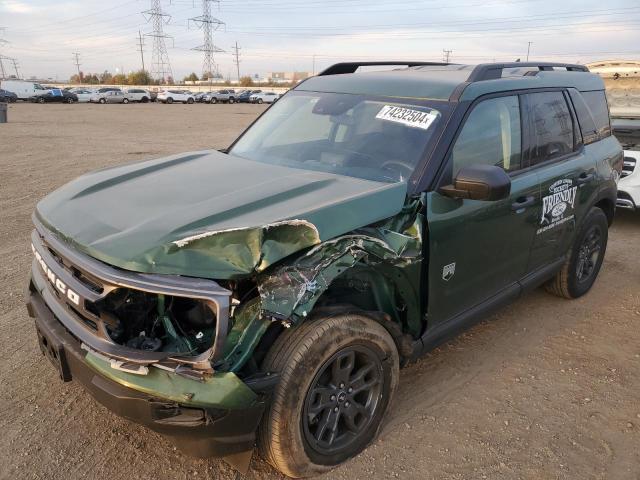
[552,126]
[597,103]
[491,135]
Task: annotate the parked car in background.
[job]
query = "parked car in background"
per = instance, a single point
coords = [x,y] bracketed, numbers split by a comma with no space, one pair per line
[171,96]
[111,96]
[108,89]
[23,90]
[627,131]
[199,97]
[84,94]
[55,95]
[221,96]
[245,97]
[7,96]
[264,97]
[138,95]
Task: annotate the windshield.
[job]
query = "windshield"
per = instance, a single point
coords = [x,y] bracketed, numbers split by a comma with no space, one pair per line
[353,135]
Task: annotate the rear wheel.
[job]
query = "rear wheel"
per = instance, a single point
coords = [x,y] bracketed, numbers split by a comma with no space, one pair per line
[144,99]
[190,101]
[344,370]
[581,268]
[69,100]
[126,100]
[232,100]
[260,100]
[169,100]
[102,100]
[213,100]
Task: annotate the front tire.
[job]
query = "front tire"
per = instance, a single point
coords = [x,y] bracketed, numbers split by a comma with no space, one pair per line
[581,268]
[126,100]
[337,378]
[169,100]
[213,100]
[190,101]
[260,100]
[103,101]
[232,100]
[41,100]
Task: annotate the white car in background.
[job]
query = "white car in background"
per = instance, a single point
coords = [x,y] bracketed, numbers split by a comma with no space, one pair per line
[138,95]
[170,96]
[627,131]
[629,184]
[84,94]
[264,97]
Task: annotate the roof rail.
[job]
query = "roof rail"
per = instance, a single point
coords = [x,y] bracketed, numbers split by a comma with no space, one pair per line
[351,67]
[491,71]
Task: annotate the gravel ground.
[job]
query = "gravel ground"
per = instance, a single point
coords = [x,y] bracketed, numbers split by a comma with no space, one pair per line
[546,389]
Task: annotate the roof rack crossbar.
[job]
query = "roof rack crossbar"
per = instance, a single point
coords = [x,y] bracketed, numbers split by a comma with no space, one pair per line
[492,71]
[351,67]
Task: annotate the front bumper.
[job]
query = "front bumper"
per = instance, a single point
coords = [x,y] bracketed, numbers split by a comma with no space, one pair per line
[202,425]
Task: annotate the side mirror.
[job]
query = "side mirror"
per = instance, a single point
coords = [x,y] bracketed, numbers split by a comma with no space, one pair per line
[479,182]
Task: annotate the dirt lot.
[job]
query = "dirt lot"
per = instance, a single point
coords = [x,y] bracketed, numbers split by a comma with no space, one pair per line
[546,389]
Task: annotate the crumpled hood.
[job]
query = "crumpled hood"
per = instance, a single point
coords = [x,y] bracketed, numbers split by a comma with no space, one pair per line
[211,215]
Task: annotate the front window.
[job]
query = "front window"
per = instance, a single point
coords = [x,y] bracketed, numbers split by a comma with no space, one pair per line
[372,138]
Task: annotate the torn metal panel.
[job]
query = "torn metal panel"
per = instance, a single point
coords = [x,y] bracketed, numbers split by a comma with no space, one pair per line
[290,291]
[250,250]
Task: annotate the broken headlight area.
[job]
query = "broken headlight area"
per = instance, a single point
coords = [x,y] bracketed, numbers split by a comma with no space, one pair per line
[157,323]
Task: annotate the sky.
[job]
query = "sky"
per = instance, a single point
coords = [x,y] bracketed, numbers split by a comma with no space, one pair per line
[308,35]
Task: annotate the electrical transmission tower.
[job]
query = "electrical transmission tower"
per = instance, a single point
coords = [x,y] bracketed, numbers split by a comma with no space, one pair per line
[2,44]
[76,62]
[160,66]
[446,55]
[236,59]
[208,24]
[15,67]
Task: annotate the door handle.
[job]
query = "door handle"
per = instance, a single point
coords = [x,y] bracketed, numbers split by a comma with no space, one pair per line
[522,203]
[585,178]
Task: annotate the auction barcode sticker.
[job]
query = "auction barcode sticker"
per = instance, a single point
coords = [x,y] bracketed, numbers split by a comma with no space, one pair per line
[408,116]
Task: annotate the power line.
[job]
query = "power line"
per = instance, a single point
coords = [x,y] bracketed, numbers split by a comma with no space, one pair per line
[236,59]
[160,65]
[208,24]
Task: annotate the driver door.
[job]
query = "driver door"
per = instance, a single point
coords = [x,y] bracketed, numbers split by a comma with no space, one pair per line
[479,249]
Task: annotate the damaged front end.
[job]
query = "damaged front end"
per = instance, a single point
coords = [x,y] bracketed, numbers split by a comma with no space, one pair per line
[133,320]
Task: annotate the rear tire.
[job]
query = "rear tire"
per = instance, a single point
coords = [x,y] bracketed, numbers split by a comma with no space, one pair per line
[169,100]
[126,100]
[103,101]
[232,100]
[144,100]
[190,101]
[580,270]
[213,100]
[337,378]
[260,100]
[41,100]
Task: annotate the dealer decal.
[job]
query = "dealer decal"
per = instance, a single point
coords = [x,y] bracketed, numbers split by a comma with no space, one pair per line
[408,116]
[557,207]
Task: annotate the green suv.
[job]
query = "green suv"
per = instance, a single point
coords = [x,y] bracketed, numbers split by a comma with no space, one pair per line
[267,294]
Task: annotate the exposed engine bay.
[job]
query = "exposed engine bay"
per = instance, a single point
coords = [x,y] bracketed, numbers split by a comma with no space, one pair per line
[157,323]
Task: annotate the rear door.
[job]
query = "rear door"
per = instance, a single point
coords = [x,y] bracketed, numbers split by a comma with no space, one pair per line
[478,249]
[567,175]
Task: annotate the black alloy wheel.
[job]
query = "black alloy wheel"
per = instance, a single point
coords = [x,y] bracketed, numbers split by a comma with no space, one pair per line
[589,254]
[342,400]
